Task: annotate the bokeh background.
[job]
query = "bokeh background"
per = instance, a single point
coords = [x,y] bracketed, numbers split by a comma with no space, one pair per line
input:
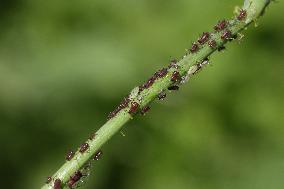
[65,64]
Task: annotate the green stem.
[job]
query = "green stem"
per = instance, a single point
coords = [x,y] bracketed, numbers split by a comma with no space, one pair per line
[187,66]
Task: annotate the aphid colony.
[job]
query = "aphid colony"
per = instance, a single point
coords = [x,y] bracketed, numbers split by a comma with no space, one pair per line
[175,78]
[73,180]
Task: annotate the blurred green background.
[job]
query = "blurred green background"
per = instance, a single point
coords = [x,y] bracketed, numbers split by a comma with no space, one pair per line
[65,64]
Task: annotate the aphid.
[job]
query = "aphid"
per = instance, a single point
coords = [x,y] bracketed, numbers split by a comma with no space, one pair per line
[220,25]
[77,175]
[57,184]
[203,38]
[48,180]
[124,103]
[226,35]
[133,108]
[242,15]
[145,109]
[74,178]
[194,48]
[175,76]
[93,136]
[83,147]
[212,43]
[70,155]
[149,83]
[173,88]
[98,155]
[161,73]
[162,95]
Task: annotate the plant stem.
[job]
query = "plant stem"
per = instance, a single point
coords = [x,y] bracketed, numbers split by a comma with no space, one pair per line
[186,67]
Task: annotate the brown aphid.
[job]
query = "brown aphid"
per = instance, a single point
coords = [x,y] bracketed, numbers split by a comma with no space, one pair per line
[173,88]
[194,47]
[162,95]
[220,25]
[98,155]
[212,43]
[70,155]
[226,35]
[83,147]
[242,15]
[161,73]
[149,83]
[48,180]
[74,178]
[175,76]
[133,108]
[145,109]
[203,38]
[57,184]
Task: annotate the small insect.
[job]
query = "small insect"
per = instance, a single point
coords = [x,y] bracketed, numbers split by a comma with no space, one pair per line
[161,73]
[162,95]
[220,25]
[226,35]
[133,108]
[194,48]
[203,38]
[173,88]
[145,109]
[98,155]
[70,155]
[74,178]
[57,184]
[48,180]
[212,43]
[175,76]
[83,147]
[242,15]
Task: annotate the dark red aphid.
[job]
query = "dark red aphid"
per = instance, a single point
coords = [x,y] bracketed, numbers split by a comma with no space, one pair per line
[57,184]
[98,155]
[74,178]
[173,88]
[203,38]
[48,180]
[133,108]
[145,109]
[226,35]
[149,83]
[83,147]
[220,25]
[162,95]
[123,104]
[194,47]
[175,76]
[242,15]
[212,43]
[70,155]
[161,73]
